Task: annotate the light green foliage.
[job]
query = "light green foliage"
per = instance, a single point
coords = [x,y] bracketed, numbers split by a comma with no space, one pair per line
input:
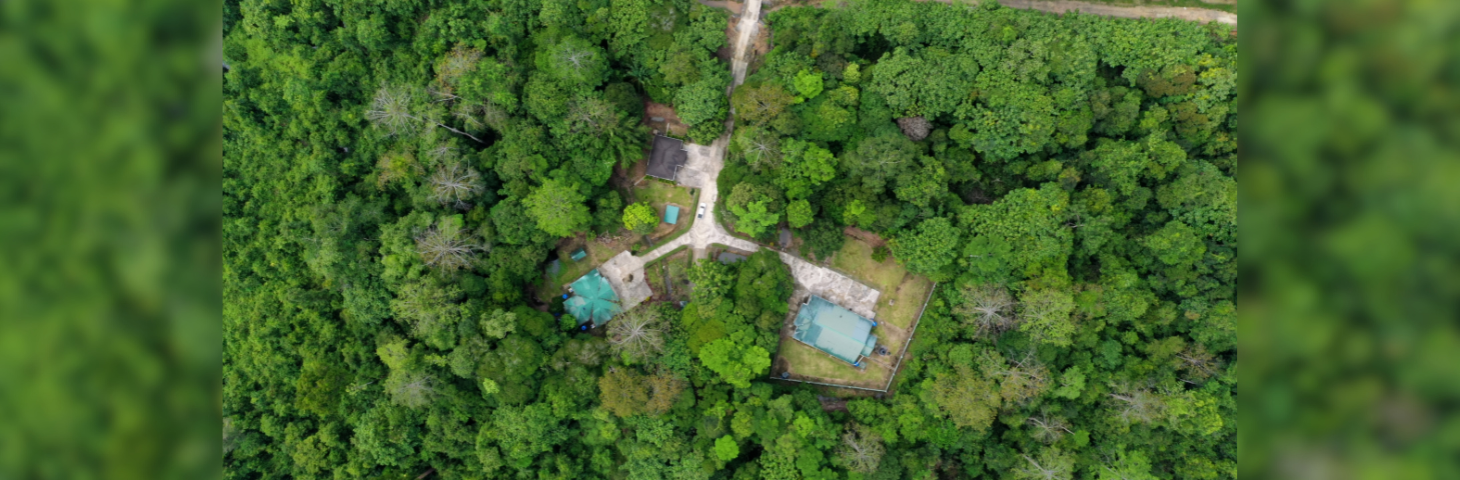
[640,217]
[808,84]
[726,449]
[798,213]
[755,218]
[1046,315]
[1176,244]
[1072,383]
[852,75]
[734,362]
[557,208]
[1129,465]
[756,208]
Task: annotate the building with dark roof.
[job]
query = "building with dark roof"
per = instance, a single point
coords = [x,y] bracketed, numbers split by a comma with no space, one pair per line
[835,330]
[667,158]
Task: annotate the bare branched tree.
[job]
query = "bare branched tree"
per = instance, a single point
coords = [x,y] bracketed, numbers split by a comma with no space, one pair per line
[592,117]
[447,248]
[637,333]
[494,115]
[1137,404]
[664,21]
[1023,380]
[1047,428]
[1050,466]
[410,388]
[861,449]
[395,110]
[1197,362]
[459,62]
[575,57]
[988,308]
[455,184]
[391,110]
[916,128]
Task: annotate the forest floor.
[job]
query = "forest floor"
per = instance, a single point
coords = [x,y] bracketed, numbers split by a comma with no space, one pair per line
[670,123]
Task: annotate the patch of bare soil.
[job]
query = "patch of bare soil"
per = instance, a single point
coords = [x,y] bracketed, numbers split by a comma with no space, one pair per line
[727,52]
[762,42]
[871,238]
[668,121]
[1062,6]
[733,7]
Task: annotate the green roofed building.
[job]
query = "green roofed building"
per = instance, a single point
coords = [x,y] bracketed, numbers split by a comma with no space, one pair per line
[593,299]
[671,214]
[835,330]
[579,254]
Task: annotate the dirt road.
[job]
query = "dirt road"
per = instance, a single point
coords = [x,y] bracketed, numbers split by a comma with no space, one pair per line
[1184,13]
[1060,6]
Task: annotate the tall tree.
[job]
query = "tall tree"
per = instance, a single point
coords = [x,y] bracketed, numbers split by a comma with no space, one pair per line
[558,208]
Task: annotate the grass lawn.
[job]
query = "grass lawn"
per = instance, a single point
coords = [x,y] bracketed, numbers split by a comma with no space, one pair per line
[661,194]
[811,364]
[855,259]
[900,306]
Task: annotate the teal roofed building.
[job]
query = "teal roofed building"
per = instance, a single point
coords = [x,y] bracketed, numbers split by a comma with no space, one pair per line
[835,330]
[671,214]
[593,299]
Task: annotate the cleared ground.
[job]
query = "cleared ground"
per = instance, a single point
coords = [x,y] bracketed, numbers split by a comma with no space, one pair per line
[661,194]
[599,251]
[897,309]
[668,276]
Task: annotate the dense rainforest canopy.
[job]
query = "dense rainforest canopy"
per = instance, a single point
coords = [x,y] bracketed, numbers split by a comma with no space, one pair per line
[396,174]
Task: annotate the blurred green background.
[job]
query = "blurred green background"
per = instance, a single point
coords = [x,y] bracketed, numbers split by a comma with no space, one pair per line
[109,261]
[1350,230]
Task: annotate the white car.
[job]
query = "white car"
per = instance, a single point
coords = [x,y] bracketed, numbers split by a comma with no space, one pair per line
[702,211]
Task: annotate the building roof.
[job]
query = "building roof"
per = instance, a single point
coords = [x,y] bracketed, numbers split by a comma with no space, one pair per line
[834,330]
[667,157]
[593,299]
[579,254]
[671,214]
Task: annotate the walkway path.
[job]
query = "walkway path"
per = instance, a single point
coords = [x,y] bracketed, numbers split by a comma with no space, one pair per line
[625,271]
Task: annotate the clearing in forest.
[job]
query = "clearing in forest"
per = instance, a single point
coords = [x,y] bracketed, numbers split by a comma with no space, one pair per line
[901,301]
